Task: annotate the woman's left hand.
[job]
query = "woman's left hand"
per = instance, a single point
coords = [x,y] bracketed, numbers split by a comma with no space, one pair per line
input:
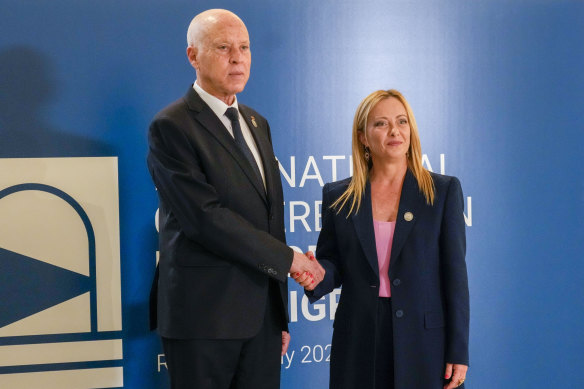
[456,373]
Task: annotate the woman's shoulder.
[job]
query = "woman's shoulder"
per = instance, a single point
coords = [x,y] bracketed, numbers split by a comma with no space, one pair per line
[337,187]
[443,181]
[446,186]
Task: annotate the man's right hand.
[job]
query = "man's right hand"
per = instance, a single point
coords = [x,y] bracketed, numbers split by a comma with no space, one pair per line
[306,270]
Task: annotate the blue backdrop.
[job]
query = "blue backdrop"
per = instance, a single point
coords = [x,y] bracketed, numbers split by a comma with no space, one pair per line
[497,88]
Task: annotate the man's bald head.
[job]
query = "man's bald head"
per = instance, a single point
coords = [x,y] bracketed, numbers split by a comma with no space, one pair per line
[203,24]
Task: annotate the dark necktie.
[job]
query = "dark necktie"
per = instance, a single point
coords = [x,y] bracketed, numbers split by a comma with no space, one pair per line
[233,115]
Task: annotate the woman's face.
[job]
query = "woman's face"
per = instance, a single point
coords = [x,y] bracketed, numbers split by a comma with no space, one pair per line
[388,131]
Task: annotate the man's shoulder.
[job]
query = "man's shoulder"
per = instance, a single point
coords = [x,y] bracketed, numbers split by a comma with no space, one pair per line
[173,110]
[175,118]
[190,101]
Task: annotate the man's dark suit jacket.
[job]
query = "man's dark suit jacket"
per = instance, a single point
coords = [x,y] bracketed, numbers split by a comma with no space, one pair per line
[221,235]
[428,279]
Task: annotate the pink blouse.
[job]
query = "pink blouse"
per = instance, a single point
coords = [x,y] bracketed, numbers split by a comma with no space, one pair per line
[383,241]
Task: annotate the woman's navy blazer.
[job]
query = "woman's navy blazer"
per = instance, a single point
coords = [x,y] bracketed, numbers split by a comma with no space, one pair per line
[429,286]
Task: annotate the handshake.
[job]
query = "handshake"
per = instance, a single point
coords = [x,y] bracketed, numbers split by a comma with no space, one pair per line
[306,270]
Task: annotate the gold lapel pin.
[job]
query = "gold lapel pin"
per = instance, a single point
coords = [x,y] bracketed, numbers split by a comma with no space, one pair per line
[408,216]
[254,122]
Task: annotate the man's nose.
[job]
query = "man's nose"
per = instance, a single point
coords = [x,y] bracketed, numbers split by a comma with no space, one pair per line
[236,56]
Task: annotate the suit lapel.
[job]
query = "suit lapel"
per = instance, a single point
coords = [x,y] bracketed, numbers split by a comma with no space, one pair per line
[208,120]
[264,148]
[363,222]
[406,217]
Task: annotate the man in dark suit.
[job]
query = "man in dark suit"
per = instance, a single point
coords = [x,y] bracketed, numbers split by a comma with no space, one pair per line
[221,293]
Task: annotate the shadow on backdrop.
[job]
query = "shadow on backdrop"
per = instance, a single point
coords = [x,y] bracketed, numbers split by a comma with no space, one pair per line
[28,86]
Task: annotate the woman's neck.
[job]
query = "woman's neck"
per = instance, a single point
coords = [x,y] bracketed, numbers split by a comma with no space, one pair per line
[388,173]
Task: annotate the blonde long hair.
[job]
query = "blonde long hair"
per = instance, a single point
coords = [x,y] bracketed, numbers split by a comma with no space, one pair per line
[361,166]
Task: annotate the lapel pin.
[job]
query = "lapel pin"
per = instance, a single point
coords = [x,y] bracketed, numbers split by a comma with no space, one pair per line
[408,216]
[254,122]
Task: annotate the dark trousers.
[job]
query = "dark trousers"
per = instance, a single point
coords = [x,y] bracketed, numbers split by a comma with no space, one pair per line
[252,363]
[384,345]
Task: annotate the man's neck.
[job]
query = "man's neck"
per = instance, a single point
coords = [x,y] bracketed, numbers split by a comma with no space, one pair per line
[227,99]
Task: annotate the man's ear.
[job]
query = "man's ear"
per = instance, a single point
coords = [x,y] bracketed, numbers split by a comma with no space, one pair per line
[192,56]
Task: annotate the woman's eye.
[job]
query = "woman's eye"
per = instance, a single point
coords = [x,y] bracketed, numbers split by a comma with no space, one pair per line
[380,124]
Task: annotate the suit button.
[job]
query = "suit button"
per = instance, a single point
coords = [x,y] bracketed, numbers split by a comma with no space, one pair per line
[373,286]
[396,282]
[399,313]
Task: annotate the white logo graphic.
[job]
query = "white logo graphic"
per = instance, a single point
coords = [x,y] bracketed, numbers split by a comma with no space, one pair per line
[60,294]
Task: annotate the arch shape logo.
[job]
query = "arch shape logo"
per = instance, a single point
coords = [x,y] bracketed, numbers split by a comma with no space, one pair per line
[60,297]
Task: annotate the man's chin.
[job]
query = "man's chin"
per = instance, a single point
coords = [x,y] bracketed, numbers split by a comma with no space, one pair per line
[235,89]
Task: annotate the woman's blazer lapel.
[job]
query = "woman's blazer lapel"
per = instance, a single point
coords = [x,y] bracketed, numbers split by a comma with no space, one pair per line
[409,205]
[406,218]
[363,222]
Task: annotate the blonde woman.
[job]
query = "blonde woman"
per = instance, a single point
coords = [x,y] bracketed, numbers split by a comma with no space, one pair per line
[393,236]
